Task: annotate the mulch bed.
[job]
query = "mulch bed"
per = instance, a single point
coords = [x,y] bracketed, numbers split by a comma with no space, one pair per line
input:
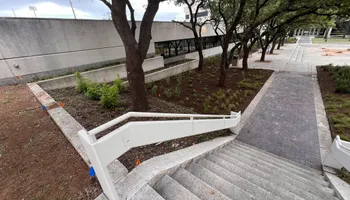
[90,113]
[36,160]
[330,98]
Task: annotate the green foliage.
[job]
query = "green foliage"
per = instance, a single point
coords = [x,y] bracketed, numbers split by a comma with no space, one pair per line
[154,90]
[110,96]
[206,105]
[118,82]
[168,93]
[93,91]
[291,40]
[177,92]
[179,78]
[82,83]
[212,60]
[341,76]
[249,84]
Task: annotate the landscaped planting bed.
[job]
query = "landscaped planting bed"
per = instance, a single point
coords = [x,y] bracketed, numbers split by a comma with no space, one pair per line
[335,88]
[190,92]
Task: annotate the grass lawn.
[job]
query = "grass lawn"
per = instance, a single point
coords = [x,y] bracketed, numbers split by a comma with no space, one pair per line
[331,41]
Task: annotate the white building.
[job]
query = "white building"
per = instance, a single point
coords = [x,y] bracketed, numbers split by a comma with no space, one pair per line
[202,15]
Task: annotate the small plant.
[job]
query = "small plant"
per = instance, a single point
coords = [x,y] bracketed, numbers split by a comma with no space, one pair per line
[215,109]
[223,106]
[247,93]
[118,82]
[93,91]
[154,90]
[179,78]
[341,77]
[167,81]
[327,68]
[249,84]
[190,85]
[168,93]
[220,94]
[177,92]
[110,96]
[206,105]
[82,83]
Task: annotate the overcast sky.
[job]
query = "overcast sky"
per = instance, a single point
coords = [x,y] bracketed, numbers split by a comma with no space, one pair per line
[84,9]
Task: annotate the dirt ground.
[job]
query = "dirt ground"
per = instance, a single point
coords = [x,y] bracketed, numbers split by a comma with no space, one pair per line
[36,160]
[90,113]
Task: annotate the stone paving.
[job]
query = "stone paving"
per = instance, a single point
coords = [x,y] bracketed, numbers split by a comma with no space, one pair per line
[284,121]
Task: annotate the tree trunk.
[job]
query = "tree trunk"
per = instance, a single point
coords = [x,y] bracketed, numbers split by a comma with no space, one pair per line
[273,46]
[283,40]
[199,48]
[136,78]
[279,44]
[230,57]
[223,64]
[245,57]
[263,53]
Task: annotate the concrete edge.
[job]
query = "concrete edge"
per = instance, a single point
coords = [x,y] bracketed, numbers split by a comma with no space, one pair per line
[341,188]
[324,133]
[70,127]
[150,171]
[252,105]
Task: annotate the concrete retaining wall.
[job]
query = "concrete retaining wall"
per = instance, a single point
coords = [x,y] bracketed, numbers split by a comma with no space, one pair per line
[49,47]
[103,75]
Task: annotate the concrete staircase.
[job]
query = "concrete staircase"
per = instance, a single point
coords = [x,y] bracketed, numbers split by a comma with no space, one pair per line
[239,171]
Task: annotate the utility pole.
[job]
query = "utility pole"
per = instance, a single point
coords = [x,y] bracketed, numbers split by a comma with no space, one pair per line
[14,13]
[33,8]
[71,5]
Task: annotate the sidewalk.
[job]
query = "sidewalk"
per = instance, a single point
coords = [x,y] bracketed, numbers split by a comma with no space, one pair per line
[284,122]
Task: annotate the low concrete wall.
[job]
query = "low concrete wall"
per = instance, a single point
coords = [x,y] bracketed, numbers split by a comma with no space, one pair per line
[156,76]
[194,55]
[103,75]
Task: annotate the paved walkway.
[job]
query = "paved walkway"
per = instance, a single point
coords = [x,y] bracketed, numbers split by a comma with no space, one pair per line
[284,121]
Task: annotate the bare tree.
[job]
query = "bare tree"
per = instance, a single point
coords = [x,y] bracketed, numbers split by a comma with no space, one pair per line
[136,50]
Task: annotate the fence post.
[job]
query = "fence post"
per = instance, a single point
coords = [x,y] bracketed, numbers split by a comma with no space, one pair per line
[101,171]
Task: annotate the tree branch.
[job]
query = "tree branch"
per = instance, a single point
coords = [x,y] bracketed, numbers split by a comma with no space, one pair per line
[109,5]
[132,17]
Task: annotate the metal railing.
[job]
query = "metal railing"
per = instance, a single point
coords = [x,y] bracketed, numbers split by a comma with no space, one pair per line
[104,150]
[338,155]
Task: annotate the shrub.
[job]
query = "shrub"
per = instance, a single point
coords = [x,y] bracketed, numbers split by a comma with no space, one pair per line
[177,92]
[93,91]
[206,105]
[341,76]
[327,68]
[154,90]
[168,93]
[212,60]
[118,82]
[110,96]
[291,40]
[82,83]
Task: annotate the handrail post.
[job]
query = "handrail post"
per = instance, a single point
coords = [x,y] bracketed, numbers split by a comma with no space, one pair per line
[101,171]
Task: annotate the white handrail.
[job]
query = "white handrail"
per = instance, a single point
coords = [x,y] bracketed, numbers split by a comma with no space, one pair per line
[103,151]
[150,114]
[338,155]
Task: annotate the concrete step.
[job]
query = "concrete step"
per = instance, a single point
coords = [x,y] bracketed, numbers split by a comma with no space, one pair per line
[197,186]
[274,179]
[274,159]
[257,180]
[170,189]
[236,180]
[284,174]
[221,185]
[147,192]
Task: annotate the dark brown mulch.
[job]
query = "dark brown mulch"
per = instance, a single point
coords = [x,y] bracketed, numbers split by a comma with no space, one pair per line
[91,114]
[36,160]
[333,102]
